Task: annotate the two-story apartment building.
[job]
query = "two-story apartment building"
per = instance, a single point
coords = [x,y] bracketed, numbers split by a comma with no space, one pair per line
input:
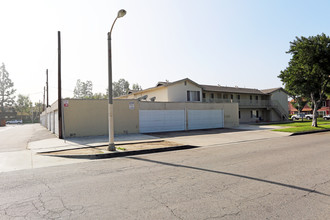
[254,104]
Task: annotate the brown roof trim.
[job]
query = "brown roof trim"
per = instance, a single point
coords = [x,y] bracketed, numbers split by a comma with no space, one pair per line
[162,84]
[268,91]
[231,89]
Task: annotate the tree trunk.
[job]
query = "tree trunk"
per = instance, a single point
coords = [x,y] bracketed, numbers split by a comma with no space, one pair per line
[314,123]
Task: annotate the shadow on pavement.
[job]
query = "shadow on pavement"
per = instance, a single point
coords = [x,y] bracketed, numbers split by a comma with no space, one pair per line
[126,153]
[233,174]
[193,132]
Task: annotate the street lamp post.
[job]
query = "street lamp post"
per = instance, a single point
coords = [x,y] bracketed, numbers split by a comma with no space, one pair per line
[111,147]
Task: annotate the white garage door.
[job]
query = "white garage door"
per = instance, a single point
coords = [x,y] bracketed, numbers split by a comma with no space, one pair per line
[56,122]
[204,119]
[161,120]
[49,121]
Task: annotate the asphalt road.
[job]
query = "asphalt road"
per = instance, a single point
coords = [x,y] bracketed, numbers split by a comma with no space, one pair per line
[278,178]
[17,137]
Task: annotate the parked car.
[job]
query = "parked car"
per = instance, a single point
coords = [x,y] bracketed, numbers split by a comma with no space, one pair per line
[14,122]
[326,117]
[297,116]
[309,116]
[301,116]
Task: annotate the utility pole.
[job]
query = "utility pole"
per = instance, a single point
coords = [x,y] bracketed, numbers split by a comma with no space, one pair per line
[43,102]
[47,88]
[59,99]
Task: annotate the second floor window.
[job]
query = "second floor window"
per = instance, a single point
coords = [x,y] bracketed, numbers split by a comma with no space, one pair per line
[193,96]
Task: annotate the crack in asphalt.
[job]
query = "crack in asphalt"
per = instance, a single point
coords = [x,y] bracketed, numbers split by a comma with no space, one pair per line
[164,204]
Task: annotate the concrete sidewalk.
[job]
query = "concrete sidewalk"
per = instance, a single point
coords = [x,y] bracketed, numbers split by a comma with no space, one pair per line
[55,144]
[32,157]
[35,157]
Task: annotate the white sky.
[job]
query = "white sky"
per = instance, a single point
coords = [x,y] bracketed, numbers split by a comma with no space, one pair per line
[212,42]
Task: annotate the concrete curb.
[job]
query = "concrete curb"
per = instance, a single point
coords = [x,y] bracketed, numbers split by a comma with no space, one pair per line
[101,145]
[309,132]
[126,153]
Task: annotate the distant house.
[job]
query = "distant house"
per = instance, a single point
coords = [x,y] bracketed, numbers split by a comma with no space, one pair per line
[254,104]
[324,110]
[9,113]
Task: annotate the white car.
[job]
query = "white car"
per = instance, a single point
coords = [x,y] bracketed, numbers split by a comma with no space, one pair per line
[301,116]
[14,122]
[326,117]
[297,116]
[309,116]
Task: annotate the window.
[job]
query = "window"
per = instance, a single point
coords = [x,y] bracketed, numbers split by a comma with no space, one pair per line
[239,114]
[251,100]
[185,83]
[254,114]
[212,95]
[238,97]
[257,97]
[193,96]
[231,96]
[204,95]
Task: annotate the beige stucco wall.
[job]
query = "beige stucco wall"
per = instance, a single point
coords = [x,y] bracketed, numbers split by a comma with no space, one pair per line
[282,98]
[159,92]
[178,92]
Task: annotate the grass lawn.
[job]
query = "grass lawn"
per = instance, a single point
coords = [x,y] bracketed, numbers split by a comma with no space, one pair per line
[306,125]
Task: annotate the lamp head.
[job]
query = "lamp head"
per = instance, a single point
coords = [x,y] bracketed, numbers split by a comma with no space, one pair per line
[121,13]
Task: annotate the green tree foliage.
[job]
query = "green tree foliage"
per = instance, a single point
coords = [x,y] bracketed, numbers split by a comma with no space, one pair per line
[23,105]
[83,90]
[99,96]
[121,87]
[136,87]
[308,73]
[7,91]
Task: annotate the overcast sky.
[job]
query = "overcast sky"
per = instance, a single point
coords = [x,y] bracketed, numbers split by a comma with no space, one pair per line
[227,42]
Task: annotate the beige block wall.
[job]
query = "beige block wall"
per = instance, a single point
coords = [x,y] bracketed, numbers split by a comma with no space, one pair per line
[178,91]
[90,117]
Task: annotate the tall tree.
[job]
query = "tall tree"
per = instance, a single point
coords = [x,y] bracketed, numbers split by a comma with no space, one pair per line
[136,87]
[83,90]
[121,87]
[99,96]
[7,91]
[308,73]
[23,105]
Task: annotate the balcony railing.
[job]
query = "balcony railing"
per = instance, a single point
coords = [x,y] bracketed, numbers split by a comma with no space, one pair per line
[242,102]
